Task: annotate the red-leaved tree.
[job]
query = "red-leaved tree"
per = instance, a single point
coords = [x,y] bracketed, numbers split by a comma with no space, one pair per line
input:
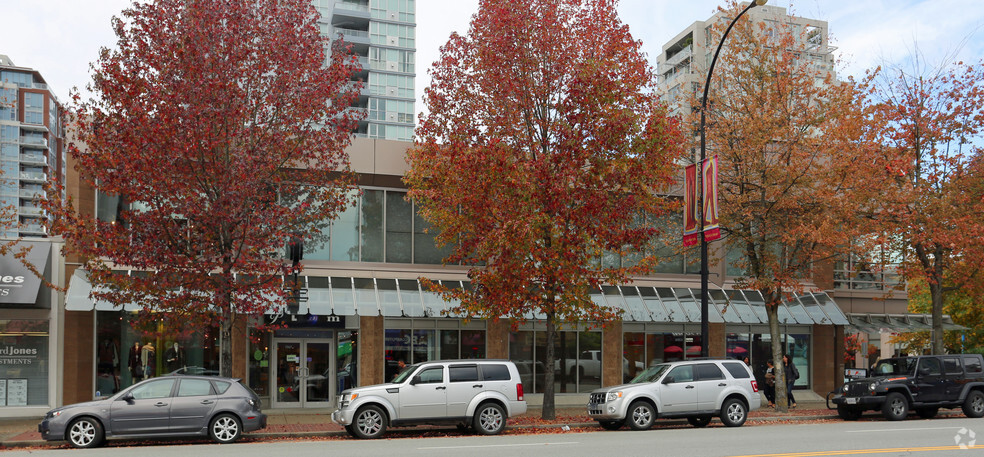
[544,147]
[220,125]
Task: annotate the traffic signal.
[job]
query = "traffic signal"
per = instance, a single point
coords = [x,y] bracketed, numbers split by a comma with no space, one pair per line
[295,249]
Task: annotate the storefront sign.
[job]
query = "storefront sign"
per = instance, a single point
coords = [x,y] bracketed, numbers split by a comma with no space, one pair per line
[18,284]
[13,355]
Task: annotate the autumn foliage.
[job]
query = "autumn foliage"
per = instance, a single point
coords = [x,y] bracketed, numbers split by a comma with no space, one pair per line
[220,125]
[792,143]
[930,133]
[543,148]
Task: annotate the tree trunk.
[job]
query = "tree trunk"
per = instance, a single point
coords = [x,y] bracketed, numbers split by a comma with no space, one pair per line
[225,328]
[936,292]
[772,309]
[549,411]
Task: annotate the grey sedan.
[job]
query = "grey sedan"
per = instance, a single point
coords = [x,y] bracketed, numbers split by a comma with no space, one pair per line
[221,408]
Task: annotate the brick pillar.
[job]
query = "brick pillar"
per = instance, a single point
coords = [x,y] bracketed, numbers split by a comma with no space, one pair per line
[611,354]
[79,357]
[828,360]
[718,340]
[372,350]
[240,344]
[497,339]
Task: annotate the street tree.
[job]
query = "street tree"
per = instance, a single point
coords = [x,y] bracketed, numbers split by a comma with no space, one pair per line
[220,127]
[543,148]
[791,140]
[931,118]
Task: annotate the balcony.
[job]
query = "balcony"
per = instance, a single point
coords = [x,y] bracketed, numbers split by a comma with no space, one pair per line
[33,229]
[680,56]
[33,176]
[30,193]
[34,140]
[30,211]
[350,33]
[33,158]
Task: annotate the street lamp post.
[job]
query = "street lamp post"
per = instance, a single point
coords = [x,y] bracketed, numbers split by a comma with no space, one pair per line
[704,326]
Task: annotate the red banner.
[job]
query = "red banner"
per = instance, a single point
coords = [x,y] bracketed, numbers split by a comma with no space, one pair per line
[691,223]
[712,229]
[691,230]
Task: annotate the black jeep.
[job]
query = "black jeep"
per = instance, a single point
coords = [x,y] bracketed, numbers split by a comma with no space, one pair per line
[923,384]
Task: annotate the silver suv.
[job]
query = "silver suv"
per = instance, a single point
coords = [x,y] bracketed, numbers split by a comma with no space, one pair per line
[477,394]
[695,389]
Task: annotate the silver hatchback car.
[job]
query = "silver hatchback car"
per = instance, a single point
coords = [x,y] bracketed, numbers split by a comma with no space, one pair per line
[695,389]
[471,393]
[221,408]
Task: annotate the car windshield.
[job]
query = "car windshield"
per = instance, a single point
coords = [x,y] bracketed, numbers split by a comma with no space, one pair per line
[894,367]
[404,374]
[651,374]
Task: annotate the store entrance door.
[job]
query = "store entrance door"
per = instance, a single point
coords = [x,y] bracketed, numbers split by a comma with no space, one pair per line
[304,372]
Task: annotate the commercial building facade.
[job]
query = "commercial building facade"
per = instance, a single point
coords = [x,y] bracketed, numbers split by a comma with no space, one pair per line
[367,310]
[31,337]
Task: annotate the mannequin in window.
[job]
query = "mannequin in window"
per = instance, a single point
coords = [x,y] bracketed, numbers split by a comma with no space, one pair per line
[149,357]
[109,362]
[174,357]
[134,362]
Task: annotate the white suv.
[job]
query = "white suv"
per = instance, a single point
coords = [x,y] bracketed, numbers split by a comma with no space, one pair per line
[470,393]
[695,389]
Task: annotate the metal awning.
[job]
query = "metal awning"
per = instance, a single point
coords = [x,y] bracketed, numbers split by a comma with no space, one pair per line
[898,323]
[350,296]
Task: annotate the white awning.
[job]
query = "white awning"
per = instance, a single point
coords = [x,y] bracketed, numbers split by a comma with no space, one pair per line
[77,298]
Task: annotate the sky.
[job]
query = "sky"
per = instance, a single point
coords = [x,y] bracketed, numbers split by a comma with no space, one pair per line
[61,37]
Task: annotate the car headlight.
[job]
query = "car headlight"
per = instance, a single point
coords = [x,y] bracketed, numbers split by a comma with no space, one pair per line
[872,386]
[251,402]
[54,414]
[612,396]
[844,389]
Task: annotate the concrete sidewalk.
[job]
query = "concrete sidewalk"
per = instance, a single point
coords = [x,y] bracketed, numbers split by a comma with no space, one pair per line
[301,423]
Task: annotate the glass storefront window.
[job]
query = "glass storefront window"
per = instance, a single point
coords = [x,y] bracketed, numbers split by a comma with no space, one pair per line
[258,362]
[577,360]
[124,358]
[798,349]
[347,361]
[414,346]
[24,362]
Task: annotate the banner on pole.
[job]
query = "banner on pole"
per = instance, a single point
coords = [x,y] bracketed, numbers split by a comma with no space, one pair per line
[712,228]
[691,228]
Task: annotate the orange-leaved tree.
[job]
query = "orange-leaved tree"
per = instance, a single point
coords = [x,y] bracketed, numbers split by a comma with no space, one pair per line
[931,192]
[220,125]
[543,148]
[790,140]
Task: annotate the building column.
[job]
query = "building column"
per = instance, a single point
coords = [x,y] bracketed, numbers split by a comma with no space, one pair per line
[79,357]
[497,338]
[611,354]
[718,336]
[372,350]
[828,358]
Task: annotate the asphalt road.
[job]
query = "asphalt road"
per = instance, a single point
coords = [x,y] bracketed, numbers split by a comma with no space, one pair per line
[936,437]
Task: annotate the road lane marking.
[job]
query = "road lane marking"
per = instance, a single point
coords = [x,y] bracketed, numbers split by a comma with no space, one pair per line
[904,429]
[866,451]
[499,445]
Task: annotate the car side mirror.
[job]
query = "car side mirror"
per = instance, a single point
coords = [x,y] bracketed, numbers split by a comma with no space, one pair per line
[127,398]
[668,380]
[415,380]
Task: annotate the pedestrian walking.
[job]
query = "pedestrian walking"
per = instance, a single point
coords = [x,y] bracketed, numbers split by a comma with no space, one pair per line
[792,374]
[770,383]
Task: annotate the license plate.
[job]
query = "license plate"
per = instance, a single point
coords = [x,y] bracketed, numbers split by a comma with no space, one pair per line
[851,400]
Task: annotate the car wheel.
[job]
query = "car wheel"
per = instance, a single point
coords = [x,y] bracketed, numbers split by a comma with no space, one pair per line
[370,422]
[848,413]
[611,425]
[896,407]
[225,428]
[699,421]
[927,413]
[733,412]
[641,416]
[85,432]
[974,404]
[490,419]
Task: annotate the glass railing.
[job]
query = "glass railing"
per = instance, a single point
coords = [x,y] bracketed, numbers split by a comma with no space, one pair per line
[32,175]
[30,210]
[28,193]
[36,158]
[352,6]
[352,33]
[32,228]
[33,140]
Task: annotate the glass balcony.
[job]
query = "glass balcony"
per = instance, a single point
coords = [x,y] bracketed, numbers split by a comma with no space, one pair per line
[33,176]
